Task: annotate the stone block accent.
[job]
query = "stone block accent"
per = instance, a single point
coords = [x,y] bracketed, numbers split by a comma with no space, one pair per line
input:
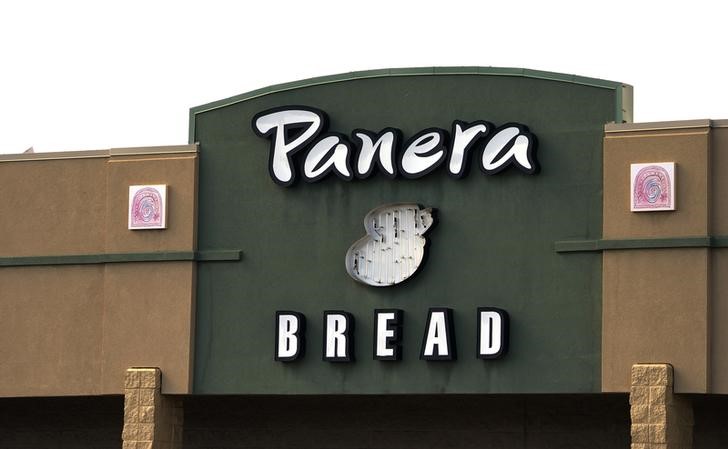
[151,420]
[660,419]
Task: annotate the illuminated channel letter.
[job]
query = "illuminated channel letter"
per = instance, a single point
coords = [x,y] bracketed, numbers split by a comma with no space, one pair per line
[492,333]
[423,153]
[388,334]
[511,144]
[439,340]
[379,148]
[338,336]
[290,330]
[291,129]
[330,153]
[465,135]
[278,125]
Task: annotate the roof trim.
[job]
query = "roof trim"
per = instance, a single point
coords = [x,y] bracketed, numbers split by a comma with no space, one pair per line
[91,154]
[168,149]
[619,88]
[660,126]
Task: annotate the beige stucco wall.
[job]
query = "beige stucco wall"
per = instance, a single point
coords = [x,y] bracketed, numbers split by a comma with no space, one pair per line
[42,215]
[179,172]
[719,180]
[655,308]
[666,305]
[148,321]
[688,148]
[719,262]
[51,328]
[718,314]
[75,329]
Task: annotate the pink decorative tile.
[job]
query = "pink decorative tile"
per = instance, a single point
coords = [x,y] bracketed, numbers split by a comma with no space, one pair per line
[652,187]
[148,207]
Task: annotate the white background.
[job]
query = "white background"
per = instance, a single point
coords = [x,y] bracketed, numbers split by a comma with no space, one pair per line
[86,75]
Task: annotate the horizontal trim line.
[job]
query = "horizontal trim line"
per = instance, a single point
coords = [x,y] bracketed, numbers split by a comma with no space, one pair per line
[573,246]
[663,126]
[658,133]
[169,149]
[50,156]
[92,154]
[219,255]
[88,259]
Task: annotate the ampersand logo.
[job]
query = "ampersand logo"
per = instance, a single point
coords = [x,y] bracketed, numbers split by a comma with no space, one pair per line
[394,247]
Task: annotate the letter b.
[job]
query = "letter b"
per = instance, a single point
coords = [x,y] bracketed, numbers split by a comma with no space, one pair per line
[290,343]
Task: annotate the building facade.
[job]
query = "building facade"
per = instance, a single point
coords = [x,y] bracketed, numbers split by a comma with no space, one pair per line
[441,257]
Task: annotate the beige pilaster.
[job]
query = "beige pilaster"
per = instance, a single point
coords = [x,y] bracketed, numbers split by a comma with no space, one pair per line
[660,419]
[151,420]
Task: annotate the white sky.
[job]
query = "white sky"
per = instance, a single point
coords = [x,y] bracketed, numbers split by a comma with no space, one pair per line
[87,75]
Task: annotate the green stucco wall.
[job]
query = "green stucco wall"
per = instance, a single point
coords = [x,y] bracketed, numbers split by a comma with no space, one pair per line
[493,245]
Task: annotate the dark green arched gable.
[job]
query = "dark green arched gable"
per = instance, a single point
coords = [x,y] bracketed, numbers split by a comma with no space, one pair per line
[493,244]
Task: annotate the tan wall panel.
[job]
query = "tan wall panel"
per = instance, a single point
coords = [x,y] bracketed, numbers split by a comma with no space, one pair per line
[689,149]
[52,207]
[149,316]
[655,310]
[719,262]
[50,334]
[179,172]
[719,205]
[718,315]
[75,329]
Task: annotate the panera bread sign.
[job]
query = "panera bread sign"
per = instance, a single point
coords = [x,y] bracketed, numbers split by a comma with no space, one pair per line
[394,245]
[292,129]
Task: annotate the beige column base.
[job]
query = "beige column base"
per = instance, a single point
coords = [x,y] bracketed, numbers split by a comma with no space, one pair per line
[151,421]
[660,419]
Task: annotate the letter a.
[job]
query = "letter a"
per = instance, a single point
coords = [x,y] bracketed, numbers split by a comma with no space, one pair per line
[439,340]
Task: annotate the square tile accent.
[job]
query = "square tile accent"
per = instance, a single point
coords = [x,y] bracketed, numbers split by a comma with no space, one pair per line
[652,187]
[148,207]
